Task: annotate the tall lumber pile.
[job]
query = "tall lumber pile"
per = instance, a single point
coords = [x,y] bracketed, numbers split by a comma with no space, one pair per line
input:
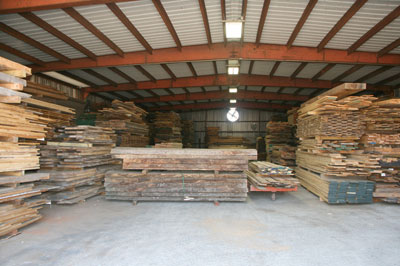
[166,127]
[215,141]
[128,122]
[187,133]
[179,175]
[19,202]
[382,139]
[73,159]
[266,174]
[280,143]
[330,164]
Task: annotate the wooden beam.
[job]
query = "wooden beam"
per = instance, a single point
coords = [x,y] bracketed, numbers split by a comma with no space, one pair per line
[32,42]
[274,68]
[323,71]
[307,11]
[144,72]
[99,76]
[215,67]
[75,77]
[373,74]
[263,16]
[123,75]
[90,27]
[169,71]
[191,67]
[128,24]
[50,29]
[347,73]
[205,21]
[22,55]
[389,47]
[168,23]
[381,24]
[339,25]
[251,67]
[298,70]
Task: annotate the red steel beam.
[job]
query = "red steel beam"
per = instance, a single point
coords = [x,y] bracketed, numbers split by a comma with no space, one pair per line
[191,67]
[247,51]
[381,24]
[169,71]
[307,11]
[7,7]
[21,55]
[224,104]
[263,16]
[241,94]
[339,25]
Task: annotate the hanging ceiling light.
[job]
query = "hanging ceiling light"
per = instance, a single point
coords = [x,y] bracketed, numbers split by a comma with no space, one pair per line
[233,29]
[232,100]
[233,67]
[233,90]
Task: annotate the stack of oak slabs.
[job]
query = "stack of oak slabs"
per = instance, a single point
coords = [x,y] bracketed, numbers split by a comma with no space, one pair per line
[330,164]
[215,141]
[179,175]
[188,137]
[72,160]
[266,174]
[382,139]
[280,143]
[127,120]
[166,127]
[19,202]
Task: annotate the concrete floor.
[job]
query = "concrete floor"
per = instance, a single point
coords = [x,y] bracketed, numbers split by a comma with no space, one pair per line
[296,229]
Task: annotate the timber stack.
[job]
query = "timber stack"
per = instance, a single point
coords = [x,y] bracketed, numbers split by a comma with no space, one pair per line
[382,139]
[179,175]
[266,174]
[128,122]
[280,143]
[19,194]
[330,164]
[215,141]
[75,159]
[187,133]
[166,127]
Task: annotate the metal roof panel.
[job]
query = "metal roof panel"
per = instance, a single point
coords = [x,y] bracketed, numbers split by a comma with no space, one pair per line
[156,71]
[254,8]
[360,73]
[204,68]
[133,73]
[286,69]
[180,70]
[335,71]
[310,70]
[215,20]
[262,67]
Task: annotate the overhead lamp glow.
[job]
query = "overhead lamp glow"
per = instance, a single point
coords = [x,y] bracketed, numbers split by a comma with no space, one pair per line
[232,100]
[233,29]
[233,67]
[233,70]
[233,90]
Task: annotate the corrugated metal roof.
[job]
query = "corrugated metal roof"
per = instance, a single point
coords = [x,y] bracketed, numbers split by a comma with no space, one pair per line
[360,73]
[368,16]
[194,89]
[310,70]
[186,18]
[262,67]
[215,20]
[177,90]
[133,73]
[288,90]
[149,23]
[160,92]
[394,83]
[244,66]
[254,8]
[106,22]
[281,20]
[321,20]
[233,9]
[384,75]
[127,94]
[110,96]
[180,70]
[87,77]
[24,47]
[203,68]
[306,91]
[221,66]
[271,89]
[73,29]
[156,71]
[161,103]
[335,71]
[212,88]
[254,88]
[111,75]
[383,38]
[286,69]
[143,93]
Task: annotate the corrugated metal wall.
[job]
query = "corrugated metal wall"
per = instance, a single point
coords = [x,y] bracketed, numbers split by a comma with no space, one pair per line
[251,123]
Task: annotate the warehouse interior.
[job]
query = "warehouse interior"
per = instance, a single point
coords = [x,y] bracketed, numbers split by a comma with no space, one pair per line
[201,132]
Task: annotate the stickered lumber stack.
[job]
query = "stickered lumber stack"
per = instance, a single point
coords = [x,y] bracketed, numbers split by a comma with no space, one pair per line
[188,133]
[215,141]
[280,143]
[166,127]
[266,174]
[127,120]
[72,159]
[382,139]
[19,193]
[179,175]
[330,164]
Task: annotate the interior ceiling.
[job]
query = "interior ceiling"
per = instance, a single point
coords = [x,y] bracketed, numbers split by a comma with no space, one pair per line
[172,54]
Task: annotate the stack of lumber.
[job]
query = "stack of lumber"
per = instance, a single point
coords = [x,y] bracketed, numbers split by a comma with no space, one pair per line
[187,133]
[382,139]
[40,90]
[292,116]
[169,145]
[128,122]
[266,174]
[280,143]
[261,149]
[72,158]
[330,164]
[214,141]
[19,202]
[179,175]
[167,127]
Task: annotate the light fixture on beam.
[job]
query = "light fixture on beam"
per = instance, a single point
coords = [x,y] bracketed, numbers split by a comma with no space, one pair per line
[233,67]
[233,90]
[233,29]
[232,100]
